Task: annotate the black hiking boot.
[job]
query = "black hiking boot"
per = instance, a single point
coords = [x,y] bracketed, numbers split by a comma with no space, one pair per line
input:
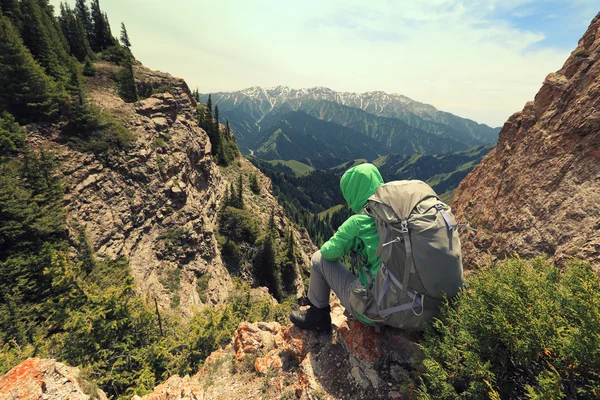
[313,318]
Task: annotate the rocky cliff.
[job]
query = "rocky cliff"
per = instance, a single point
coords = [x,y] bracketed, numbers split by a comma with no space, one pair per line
[157,205]
[538,192]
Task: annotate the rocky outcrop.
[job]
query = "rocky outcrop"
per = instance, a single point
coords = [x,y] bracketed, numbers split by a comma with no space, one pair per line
[538,192]
[268,360]
[37,379]
[157,205]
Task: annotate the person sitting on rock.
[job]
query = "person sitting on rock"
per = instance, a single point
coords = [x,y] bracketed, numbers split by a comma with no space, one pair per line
[357,234]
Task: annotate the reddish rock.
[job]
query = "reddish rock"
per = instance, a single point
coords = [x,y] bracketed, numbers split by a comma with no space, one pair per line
[361,341]
[298,342]
[250,338]
[269,363]
[538,192]
[41,379]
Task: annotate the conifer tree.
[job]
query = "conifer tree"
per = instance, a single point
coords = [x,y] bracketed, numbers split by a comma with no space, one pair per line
[41,36]
[11,9]
[217,127]
[126,78]
[233,198]
[83,14]
[227,130]
[240,193]
[102,36]
[288,270]
[254,186]
[27,92]
[266,269]
[226,197]
[75,33]
[271,226]
[12,136]
[125,37]
[209,106]
[218,140]
[89,69]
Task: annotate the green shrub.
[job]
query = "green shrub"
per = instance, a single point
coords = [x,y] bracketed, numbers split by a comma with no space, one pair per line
[12,136]
[126,81]
[116,55]
[95,131]
[582,54]
[202,286]
[214,327]
[88,68]
[238,225]
[232,256]
[158,142]
[522,329]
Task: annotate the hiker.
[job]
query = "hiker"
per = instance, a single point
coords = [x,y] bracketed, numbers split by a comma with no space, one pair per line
[402,291]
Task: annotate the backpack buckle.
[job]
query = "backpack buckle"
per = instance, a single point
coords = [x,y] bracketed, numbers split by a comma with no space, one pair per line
[404,227]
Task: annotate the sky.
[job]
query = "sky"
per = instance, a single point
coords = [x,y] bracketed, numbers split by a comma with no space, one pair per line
[480,59]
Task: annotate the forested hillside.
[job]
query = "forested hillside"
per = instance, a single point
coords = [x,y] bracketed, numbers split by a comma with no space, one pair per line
[107,246]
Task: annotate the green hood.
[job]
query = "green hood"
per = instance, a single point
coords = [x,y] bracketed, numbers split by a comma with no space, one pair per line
[359,183]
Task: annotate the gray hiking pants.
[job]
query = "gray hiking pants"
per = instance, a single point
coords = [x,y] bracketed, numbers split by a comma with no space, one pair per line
[326,275]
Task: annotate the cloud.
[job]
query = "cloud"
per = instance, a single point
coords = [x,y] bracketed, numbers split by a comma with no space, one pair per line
[471,58]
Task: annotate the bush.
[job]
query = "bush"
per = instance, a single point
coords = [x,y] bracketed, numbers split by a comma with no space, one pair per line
[89,69]
[92,130]
[238,225]
[116,55]
[214,327]
[12,136]
[522,329]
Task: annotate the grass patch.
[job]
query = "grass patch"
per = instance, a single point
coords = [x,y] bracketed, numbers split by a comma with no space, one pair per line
[300,169]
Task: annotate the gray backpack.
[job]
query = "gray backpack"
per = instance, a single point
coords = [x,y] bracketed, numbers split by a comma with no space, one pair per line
[420,257]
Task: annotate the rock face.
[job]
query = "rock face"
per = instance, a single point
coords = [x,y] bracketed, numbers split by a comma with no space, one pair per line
[36,379]
[538,192]
[157,205]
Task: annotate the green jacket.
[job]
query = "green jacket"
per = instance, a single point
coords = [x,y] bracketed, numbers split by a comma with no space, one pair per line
[359,232]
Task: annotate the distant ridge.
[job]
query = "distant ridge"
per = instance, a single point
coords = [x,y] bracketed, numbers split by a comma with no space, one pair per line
[397,122]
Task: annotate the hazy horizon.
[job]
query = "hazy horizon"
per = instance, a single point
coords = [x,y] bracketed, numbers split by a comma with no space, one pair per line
[481,60]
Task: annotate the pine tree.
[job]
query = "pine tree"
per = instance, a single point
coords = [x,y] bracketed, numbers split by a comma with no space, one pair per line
[125,37]
[75,33]
[12,136]
[102,36]
[254,186]
[228,134]
[240,193]
[271,226]
[288,270]
[226,197]
[126,78]
[89,69]
[27,92]
[83,15]
[233,198]
[43,38]
[266,269]
[218,140]
[11,9]
[217,128]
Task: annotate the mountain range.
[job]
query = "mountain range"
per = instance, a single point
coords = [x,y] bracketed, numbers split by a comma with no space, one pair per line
[280,122]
